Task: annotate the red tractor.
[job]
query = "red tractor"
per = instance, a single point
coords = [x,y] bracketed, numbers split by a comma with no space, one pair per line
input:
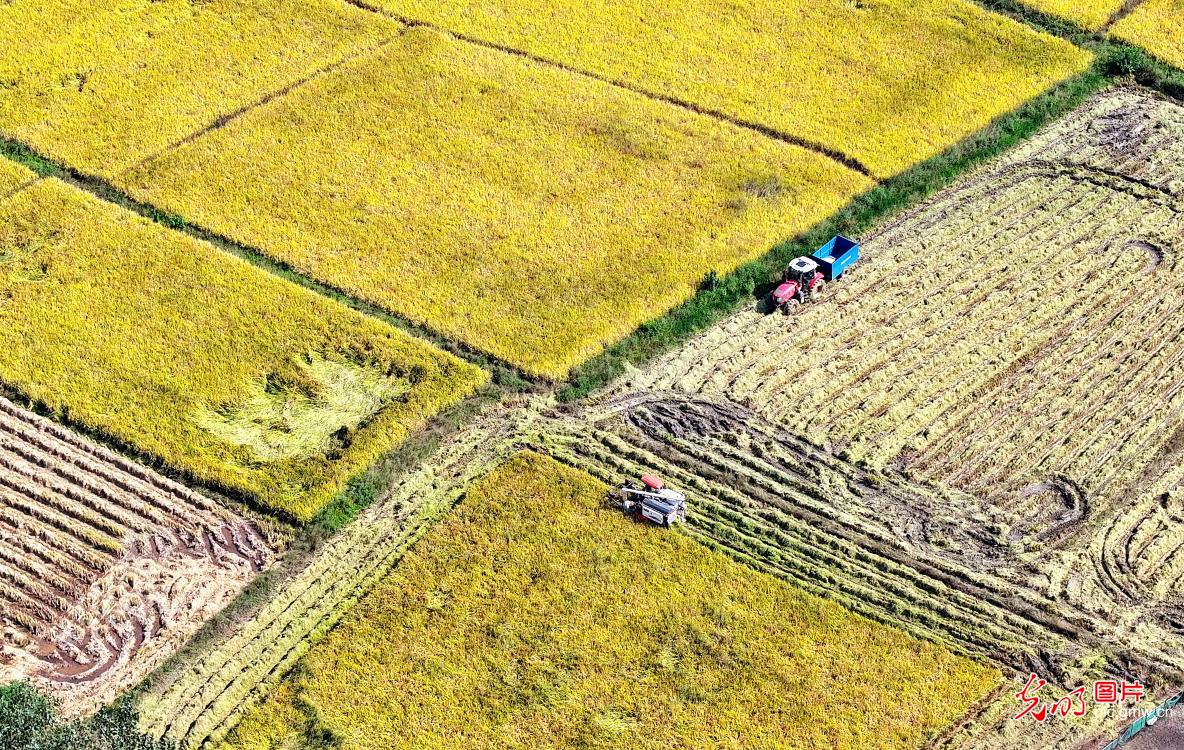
[808,275]
[802,281]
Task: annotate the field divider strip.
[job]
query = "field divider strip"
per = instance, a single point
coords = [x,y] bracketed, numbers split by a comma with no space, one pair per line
[105,190]
[1128,7]
[846,160]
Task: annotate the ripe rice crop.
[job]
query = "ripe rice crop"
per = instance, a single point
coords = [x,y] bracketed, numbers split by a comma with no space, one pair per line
[203,699]
[104,85]
[105,567]
[199,359]
[1158,27]
[888,82]
[1091,14]
[530,212]
[536,617]
[13,176]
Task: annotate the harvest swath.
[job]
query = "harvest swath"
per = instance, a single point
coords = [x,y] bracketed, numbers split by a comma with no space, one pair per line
[533,586]
[889,83]
[1158,27]
[105,567]
[104,85]
[1004,375]
[533,213]
[199,359]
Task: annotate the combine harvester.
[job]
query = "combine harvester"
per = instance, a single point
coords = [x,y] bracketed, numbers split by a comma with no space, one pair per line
[651,500]
[807,276]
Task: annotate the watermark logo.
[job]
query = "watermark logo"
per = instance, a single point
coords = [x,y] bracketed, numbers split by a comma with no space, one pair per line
[1076,702]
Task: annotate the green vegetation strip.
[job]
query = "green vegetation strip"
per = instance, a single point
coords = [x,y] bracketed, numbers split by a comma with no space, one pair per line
[720,297]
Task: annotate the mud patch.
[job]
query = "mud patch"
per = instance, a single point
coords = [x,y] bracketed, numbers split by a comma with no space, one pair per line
[1048,511]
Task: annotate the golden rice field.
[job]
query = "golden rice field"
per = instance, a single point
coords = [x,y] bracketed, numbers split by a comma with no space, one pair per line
[532,213]
[13,176]
[196,358]
[536,617]
[1090,14]
[888,82]
[104,85]
[1158,27]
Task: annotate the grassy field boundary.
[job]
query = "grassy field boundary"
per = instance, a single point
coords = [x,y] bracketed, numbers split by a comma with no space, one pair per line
[721,297]
[1120,57]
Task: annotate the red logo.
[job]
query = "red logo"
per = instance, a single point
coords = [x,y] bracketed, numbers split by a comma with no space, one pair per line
[1105,693]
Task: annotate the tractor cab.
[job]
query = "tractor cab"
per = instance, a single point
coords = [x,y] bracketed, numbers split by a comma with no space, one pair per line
[802,281]
[802,270]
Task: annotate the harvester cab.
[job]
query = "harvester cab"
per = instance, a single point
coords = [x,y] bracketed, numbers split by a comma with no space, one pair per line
[651,500]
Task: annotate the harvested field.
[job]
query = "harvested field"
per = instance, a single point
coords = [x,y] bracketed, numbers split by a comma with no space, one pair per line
[529,617]
[1158,27]
[103,85]
[200,360]
[989,412]
[532,213]
[953,369]
[888,83]
[106,567]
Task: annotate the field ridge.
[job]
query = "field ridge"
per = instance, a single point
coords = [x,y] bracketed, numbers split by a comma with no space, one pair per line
[845,160]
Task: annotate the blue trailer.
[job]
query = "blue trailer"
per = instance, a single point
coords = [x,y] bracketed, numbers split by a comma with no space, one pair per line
[836,256]
[807,276]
